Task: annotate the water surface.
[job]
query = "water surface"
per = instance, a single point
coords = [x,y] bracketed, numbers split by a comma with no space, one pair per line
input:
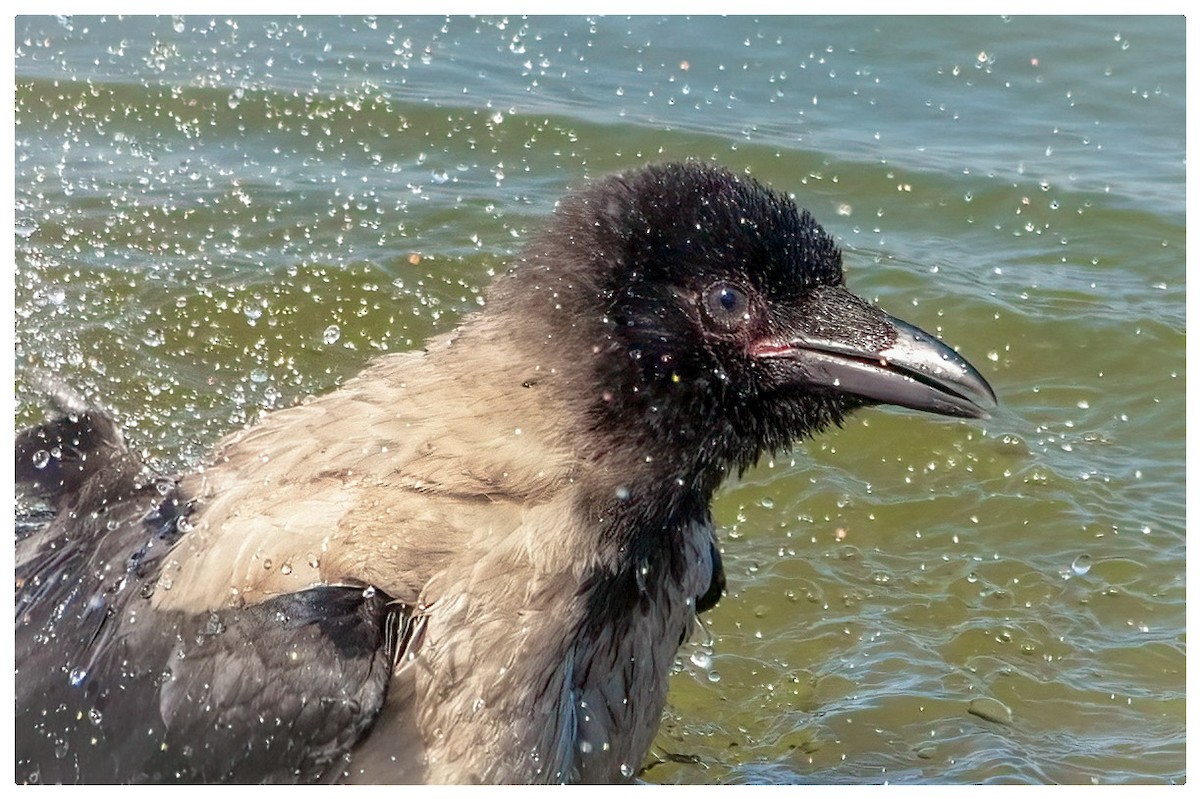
[216,216]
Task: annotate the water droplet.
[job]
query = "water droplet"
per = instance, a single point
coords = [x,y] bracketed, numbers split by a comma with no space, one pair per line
[332,334]
[622,493]
[439,176]
[714,676]
[154,337]
[40,459]
[77,676]
[1082,564]
[767,502]
[701,658]
[626,770]
[213,625]
[285,569]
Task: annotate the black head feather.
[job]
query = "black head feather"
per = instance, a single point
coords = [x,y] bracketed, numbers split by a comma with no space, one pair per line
[669,273]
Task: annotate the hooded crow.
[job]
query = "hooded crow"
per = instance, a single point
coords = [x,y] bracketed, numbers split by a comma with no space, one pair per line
[472,563]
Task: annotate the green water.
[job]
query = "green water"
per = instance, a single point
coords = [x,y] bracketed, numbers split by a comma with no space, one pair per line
[215,216]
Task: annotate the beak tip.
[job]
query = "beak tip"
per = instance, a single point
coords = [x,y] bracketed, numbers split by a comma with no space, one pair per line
[982,413]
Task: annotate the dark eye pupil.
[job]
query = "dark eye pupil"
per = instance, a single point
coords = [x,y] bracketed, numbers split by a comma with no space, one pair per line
[728,299]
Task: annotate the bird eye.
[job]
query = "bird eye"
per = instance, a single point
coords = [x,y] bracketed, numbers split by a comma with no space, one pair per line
[727,305]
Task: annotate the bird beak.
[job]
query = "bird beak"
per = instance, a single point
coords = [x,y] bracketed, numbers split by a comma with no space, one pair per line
[838,341]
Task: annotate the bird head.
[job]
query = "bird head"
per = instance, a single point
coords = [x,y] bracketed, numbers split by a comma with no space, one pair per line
[715,316]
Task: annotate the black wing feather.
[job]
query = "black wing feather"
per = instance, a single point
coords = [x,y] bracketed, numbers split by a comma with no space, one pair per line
[108,689]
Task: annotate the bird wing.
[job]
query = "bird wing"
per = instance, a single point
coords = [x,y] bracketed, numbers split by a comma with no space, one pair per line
[111,689]
[240,624]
